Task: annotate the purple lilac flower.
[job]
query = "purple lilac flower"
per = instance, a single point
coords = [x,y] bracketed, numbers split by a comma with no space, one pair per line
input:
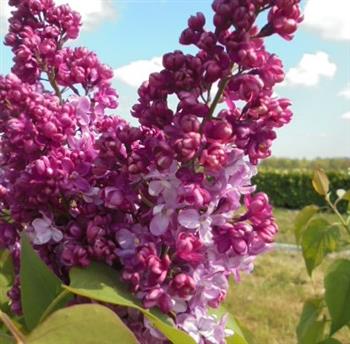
[161,202]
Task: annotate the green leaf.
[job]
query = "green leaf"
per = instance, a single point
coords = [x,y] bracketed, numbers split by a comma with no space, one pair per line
[337,285]
[330,341]
[6,265]
[102,283]
[6,279]
[6,339]
[310,330]
[302,219]
[59,302]
[231,324]
[88,324]
[318,239]
[39,285]
[320,182]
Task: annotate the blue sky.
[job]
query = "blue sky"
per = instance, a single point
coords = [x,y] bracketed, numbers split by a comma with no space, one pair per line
[132,35]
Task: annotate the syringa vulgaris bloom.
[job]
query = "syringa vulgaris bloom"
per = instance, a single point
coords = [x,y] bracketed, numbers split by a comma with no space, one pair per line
[170,203]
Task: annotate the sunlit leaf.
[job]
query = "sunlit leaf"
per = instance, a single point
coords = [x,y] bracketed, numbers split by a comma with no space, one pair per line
[102,283]
[303,218]
[88,324]
[318,239]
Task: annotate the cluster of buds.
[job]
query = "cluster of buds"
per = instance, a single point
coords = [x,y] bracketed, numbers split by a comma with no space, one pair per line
[162,202]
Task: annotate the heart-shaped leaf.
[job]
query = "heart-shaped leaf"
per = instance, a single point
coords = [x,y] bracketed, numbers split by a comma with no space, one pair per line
[302,220]
[318,239]
[88,324]
[102,283]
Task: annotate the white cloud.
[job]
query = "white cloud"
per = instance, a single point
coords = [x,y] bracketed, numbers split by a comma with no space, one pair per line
[345,92]
[346,115]
[93,12]
[329,18]
[136,72]
[310,70]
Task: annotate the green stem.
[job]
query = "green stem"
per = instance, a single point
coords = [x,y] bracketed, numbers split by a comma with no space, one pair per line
[55,87]
[54,304]
[341,218]
[218,96]
[17,334]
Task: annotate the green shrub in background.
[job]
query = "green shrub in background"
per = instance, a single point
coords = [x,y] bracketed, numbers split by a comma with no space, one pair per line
[292,188]
[327,312]
[331,164]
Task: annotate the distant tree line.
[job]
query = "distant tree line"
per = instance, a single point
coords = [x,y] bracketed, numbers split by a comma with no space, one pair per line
[332,164]
[293,188]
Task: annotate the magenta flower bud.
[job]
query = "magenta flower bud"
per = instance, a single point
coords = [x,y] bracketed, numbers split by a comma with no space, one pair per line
[267,230]
[40,167]
[73,254]
[164,155]
[221,23]
[47,47]
[174,61]
[195,195]
[214,157]
[285,18]
[258,203]
[272,72]
[24,53]
[207,41]
[35,6]
[78,73]
[157,297]
[212,72]
[240,246]
[218,130]
[187,146]
[189,36]
[189,248]
[246,87]
[49,129]
[158,269]
[51,31]
[105,72]
[189,123]
[197,22]
[10,39]
[93,231]
[183,285]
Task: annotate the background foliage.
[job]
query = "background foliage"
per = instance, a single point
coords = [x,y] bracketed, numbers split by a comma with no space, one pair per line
[288,182]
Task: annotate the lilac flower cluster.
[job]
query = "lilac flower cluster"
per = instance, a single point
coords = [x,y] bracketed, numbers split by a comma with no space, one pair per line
[162,202]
